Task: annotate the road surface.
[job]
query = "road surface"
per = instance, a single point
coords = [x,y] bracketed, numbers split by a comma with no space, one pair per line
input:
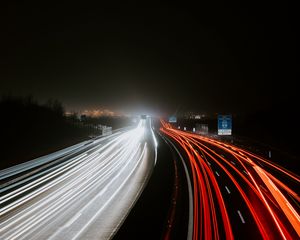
[83,192]
[237,194]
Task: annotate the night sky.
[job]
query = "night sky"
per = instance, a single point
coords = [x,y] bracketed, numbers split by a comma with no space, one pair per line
[221,57]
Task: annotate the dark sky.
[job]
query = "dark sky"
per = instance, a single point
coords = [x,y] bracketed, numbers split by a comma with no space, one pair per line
[218,57]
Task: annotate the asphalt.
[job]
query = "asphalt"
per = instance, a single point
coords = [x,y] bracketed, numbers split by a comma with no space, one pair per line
[161,212]
[83,197]
[242,183]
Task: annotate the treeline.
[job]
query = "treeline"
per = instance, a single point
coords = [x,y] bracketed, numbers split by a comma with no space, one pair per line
[19,112]
[30,129]
[277,126]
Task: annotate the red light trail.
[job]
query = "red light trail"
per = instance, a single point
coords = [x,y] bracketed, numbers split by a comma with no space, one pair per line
[261,188]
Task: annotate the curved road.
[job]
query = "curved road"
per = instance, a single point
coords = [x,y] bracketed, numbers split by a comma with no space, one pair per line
[237,194]
[84,192]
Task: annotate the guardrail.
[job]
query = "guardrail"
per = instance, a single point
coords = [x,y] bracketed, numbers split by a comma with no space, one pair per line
[26,166]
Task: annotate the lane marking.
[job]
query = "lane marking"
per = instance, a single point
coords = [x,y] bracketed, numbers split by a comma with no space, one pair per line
[91,220]
[217,174]
[241,217]
[232,162]
[260,164]
[191,209]
[227,189]
[73,219]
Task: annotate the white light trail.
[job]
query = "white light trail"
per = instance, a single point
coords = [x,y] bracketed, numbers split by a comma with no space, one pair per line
[61,201]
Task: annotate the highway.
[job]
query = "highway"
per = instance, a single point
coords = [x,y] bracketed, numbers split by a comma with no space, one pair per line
[82,192]
[235,193]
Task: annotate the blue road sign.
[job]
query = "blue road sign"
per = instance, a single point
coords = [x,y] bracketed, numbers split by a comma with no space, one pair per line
[224,124]
[172,119]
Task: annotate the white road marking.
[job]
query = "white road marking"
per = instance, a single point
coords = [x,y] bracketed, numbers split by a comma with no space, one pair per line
[73,219]
[241,217]
[227,189]
[87,175]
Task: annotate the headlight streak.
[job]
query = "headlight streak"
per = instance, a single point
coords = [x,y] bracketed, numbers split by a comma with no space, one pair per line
[114,194]
[154,141]
[250,174]
[82,180]
[40,172]
[64,200]
[67,202]
[5,173]
[17,169]
[77,168]
[88,171]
